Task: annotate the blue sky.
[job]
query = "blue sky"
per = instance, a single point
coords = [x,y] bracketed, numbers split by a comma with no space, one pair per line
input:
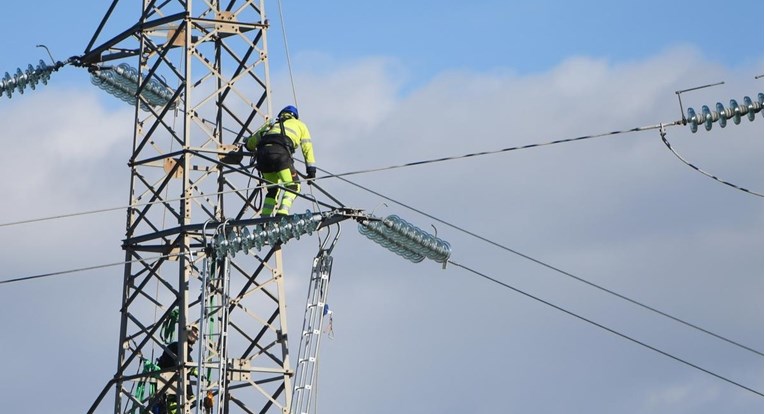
[430,36]
[525,37]
[398,82]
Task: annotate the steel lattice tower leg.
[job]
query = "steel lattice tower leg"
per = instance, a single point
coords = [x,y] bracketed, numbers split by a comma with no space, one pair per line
[212,57]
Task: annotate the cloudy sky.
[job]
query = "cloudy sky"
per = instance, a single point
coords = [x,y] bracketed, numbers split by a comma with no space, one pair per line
[382,85]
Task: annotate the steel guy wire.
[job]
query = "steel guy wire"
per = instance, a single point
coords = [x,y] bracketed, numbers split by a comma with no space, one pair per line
[599,325]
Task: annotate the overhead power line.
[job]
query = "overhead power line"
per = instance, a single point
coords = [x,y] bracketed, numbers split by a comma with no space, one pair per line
[82,269]
[516,148]
[342,175]
[680,157]
[494,280]
[122,208]
[599,325]
[411,164]
[556,269]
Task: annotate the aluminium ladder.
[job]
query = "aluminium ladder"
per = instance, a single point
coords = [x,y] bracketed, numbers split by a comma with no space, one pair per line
[307,364]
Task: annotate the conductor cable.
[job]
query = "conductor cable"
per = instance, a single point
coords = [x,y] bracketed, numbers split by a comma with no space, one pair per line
[663,134]
[601,326]
[83,269]
[122,208]
[558,270]
[521,147]
[341,175]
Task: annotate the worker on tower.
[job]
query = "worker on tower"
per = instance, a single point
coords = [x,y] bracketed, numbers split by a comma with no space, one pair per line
[274,145]
[168,404]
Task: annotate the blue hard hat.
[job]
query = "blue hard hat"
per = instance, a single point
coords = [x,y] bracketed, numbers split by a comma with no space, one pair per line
[289,109]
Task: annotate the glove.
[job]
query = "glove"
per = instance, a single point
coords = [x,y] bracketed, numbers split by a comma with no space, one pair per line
[234,156]
[310,172]
[250,142]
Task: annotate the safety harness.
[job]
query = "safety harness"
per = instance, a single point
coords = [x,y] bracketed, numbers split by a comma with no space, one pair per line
[274,150]
[168,327]
[278,139]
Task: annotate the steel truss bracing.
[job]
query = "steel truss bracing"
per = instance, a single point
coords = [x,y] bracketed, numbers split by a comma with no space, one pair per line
[210,58]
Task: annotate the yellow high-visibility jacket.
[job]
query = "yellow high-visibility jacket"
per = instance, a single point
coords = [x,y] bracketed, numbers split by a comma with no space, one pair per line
[294,129]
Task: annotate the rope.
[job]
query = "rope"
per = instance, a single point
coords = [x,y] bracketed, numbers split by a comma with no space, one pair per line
[663,134]
[287,53]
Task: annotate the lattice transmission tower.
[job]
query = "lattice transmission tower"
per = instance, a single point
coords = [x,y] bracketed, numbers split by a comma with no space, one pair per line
[197,73]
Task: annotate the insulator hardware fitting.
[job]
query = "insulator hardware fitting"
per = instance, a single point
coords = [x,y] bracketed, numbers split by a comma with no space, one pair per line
[29,77]
[267,233]
[721,114]
[406,239]
[122,82]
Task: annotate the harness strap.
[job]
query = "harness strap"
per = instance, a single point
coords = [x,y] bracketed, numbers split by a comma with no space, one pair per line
[140,391]
[168,327]
[276,139]
[280,138]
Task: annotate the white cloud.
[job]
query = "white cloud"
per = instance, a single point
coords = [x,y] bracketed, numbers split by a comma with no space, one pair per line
[620,210]
[61,143]
[681,398]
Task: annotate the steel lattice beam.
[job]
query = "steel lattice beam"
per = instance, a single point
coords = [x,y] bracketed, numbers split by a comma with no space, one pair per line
[212,55]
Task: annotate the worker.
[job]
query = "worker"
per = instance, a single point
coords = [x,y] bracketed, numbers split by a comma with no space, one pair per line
[168,404]
[274,145]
